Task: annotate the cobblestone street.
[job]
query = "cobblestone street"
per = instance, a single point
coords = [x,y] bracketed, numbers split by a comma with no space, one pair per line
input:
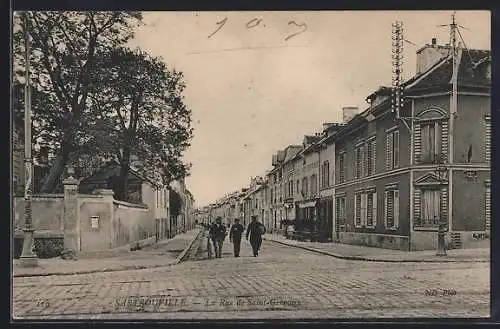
[283,282]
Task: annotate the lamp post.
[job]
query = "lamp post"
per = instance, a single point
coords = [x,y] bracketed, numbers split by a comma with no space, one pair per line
[441,172]
[28,257]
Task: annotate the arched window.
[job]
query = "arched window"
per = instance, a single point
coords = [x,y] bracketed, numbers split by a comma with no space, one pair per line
[431,136]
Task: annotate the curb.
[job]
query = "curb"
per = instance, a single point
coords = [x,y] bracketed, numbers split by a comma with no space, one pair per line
[184,253]
[360,258]
[123,268]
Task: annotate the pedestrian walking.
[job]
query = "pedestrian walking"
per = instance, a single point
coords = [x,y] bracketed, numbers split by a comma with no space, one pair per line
[218,233]
[235,235]
[255,230]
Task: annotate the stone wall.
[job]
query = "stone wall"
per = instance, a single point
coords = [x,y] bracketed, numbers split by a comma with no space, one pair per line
[86,222]
[131,223]
[47,213]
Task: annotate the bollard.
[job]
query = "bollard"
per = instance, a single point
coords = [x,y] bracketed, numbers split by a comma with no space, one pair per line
[441,245]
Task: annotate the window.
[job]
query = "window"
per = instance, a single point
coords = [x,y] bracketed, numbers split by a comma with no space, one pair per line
[359,158]
[431,205]
[392,209]
[314,185]
[340,211]
[365,209]
[487,139]
[164,199]
[94,222]
[304,187]
[431,141]
[325,175]
[342,167]
[298,187]
[392,150]
[371,157]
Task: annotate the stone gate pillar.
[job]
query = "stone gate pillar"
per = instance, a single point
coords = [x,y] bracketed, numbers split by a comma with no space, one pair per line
[70,220]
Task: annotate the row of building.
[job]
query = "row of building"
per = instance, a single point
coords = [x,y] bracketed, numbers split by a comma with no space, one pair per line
[388,178]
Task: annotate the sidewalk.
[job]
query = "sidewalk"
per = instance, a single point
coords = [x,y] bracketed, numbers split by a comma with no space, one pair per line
[352,252]
[165,253]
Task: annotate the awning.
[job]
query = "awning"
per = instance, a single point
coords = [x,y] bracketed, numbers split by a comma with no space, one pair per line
[308,204]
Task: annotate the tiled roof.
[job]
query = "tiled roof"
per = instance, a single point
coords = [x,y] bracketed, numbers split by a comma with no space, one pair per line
[469,74]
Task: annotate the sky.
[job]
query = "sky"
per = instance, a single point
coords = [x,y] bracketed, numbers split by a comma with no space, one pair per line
[266,79]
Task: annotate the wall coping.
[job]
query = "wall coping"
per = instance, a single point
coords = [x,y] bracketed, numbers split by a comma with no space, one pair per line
[129,204]
[42,196]
[19,233]
[92,196]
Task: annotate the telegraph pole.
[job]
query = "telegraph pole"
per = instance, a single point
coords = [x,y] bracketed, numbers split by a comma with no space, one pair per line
[28,257]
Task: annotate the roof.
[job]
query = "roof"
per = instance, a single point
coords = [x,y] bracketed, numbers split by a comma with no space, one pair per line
[471,73]
[116,163]
[291,152]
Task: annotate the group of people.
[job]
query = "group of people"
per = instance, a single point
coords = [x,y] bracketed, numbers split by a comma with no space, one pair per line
[218,232]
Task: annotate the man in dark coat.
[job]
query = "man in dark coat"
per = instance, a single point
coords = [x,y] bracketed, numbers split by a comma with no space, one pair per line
[235,236]
[218,233]
[255,230]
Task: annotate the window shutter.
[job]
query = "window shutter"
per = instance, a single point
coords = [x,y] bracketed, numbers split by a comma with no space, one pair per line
[363,160]
[337,209]
[357,210]
[417,205]
[386,198]
[374,157]
[417,143]
[487,140]
[389,143]
[374,209]
[390,209]
[396,149]
[444,140]
[488,209]
[364,201]
[396,208]
[444,205]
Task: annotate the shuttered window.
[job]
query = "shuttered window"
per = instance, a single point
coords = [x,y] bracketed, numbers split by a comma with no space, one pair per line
[371,210]
[357,210]
[392,209]
[431,142]
[365,209]
[314,185]
[359,156]
[371,157]
[340,212]
[392,150]
[342,167]
[395,149]
[325,175]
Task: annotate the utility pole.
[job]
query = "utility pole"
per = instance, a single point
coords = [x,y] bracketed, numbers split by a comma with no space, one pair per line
[28,257]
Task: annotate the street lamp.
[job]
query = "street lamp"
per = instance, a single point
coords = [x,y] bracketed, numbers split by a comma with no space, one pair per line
[442,173]
[28,257]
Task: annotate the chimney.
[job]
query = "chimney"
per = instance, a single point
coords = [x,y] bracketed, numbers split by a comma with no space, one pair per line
[429,55]
[348,113]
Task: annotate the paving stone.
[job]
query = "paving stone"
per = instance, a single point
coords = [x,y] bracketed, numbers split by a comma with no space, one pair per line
[282,282]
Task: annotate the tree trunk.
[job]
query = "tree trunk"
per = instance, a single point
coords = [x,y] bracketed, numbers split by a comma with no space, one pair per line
[122,183]
[57,168]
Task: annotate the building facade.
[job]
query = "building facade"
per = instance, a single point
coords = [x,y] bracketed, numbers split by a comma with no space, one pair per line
[397,180]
